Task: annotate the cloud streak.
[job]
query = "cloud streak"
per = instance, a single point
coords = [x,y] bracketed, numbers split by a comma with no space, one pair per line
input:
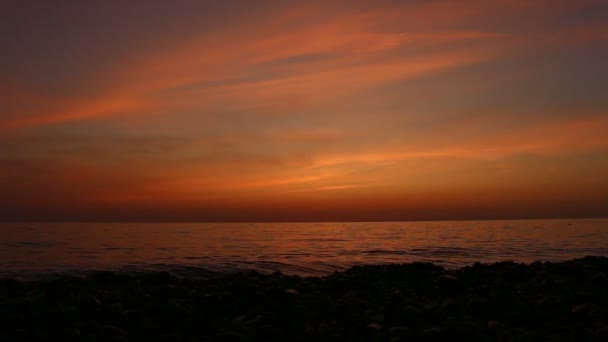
[348,104]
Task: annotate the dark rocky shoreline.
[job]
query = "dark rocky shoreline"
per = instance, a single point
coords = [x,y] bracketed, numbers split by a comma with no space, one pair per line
[506,301]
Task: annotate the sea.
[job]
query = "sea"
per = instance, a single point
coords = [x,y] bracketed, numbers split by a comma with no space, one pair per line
[37,250]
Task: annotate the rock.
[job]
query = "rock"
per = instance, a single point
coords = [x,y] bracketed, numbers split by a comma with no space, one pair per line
[411,312]
[268,332]
[599,277]
[399,331]
[72,334]
[433,332]
[254,274]
[323,328]
[450,306]
[584,309]
[239,321]
[478,305]
[374,326]
[230,336]
[118,339]
[377,317]
[116,307]
[131,316]
[449,283]
[463,331]
[172,337]
[546,303]
[90,337]
[21,304]
[90,302]
[492,325]
[528,336]
[112,331]
[156,278]
[448,278]
[11,284]
[602,333]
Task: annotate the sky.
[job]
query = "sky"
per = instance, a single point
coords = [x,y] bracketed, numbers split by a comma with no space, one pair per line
[239,110]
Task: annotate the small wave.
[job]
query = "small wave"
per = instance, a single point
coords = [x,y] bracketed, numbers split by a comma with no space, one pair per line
[445,251]
[384,251]
[321,240]
[35,244]
[196,257]
[118,248]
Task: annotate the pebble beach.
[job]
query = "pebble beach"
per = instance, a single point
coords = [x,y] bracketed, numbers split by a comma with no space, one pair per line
[505,301]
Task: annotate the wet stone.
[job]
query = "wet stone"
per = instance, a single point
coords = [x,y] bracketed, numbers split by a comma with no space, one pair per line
[450,284]
[399,331]
[600,277]
[90,302]
[585,309]
[292,292]
[374,326]
[450,307]
[432,332]
[112,331]
[546,303]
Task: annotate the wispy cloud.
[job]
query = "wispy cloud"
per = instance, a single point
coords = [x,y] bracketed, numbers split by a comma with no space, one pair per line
[280,101]
[223,66]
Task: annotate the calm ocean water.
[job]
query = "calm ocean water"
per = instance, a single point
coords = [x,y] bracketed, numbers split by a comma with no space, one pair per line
[36,249]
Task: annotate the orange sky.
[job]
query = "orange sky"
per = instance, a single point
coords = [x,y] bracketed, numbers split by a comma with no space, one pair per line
[242,110]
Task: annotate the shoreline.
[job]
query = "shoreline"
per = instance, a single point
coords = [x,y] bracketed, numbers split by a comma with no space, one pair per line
[396,302]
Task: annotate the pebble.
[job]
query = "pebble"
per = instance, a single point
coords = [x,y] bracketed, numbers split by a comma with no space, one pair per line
[599,277]
[398,331]
[110,330]
[584,309]
[374,326]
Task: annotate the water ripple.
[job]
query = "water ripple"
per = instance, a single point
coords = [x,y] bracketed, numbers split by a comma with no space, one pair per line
[297,248]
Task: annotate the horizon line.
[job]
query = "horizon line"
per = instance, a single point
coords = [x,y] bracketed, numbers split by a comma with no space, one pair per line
[308,221]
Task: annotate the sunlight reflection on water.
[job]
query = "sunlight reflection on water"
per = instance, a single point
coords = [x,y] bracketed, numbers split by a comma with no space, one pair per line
[297,248]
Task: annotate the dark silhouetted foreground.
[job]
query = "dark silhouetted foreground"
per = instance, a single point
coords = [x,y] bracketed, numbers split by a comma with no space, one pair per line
[505,301]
